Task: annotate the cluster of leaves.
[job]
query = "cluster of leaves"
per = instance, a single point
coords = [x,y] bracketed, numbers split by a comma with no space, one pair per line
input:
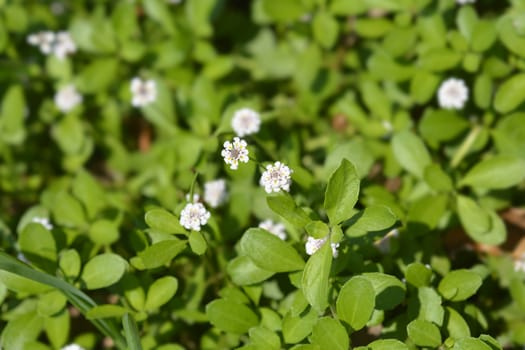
[346,91]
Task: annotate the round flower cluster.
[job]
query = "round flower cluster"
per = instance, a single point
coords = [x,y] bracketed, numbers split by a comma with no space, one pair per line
[277,177]
[193,216]
[235,152]
[452,94]
[314,244]
[246,121]
[60,44]
[67,98]
[276,229]
[143,92]
[215,192]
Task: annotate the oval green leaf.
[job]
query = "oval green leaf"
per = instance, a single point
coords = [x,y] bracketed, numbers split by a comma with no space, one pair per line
[355,302]
[230,316]
[103,270]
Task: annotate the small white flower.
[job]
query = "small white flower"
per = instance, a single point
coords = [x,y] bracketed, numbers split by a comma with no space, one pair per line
[235,152]
[276,229]
[67,98]
[277,177]
[452,94]
[196,198]
[519,265]
[193,216]
[215,192]
[384,244]
[44,40]
[463,2]
[246,121]
[314,244]
[72,347]
[144,92]
[42,221]
[64,45]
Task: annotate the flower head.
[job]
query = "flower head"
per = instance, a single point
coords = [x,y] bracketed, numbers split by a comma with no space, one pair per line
[246,121]
[42,221]
[193,216]
[44,40]
[314,244]
[276,228]
[235,152]
[144,92]
[64,45]
[452,94]
[67,98]
[72,347]
[215,192]
[277,177]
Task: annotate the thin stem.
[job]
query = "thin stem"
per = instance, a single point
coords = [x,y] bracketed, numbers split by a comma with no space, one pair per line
[465,146]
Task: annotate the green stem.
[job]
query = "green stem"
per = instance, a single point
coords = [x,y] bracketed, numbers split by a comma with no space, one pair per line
[465,146]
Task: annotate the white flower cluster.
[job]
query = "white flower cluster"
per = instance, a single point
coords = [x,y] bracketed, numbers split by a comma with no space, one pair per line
[193,216]
[235,152]
[215,192]
[276,228]
[314,244]
[60,44]
[452,94]
[277,177]
[72,347]
[42,221]
[67,98]
[143,92]
[246,121]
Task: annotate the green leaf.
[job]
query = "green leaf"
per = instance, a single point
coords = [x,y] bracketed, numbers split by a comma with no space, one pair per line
[410,152]
[341,193]
[496,173]
[163,221]
[314,282]
[372,27]
[103,270]
[423,85]
[296,328]
[509,135]
[106,311]
[418,274]
[264,338]
[12,115]
[355,302]
[160,292]
[426,211]
[483,36]
[98,75]
[243,271]
[517,291]
[466,20]
[90,193]
[104,232]
[328,333]
[230,316]
[430,308]
[67,210]
[482,225]
[269,252]
[439,60]
[374,218]
[21,330]
[57,329]
[459,285]
[283,11]
[424,333]
[437,179]
[388,290]
[197,242]
[284,206]
[325,29]
[317,229]
[70,263]
[131,333]
[470,344]
[51,303]
[38,245]
[442,125]
[510,37]
[510,94]
[387,344]
[161,253]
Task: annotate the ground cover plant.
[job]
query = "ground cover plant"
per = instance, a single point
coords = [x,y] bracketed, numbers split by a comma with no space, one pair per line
[292,174]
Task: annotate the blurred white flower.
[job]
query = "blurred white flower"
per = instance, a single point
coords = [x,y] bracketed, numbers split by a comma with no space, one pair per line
[44,40]
[235,152]
[195,198]
[276,228]
[314,244]
[193,216]
[463,2]
[215,192]
[246,121]
[64,45]
[452,94]
[519,265]
[42,221]
[277,177]
[67,98]
[72,347]
[144,92]
[384,244]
